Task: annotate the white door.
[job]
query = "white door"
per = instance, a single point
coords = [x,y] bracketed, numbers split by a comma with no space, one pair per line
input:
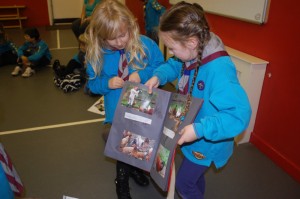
[64,9]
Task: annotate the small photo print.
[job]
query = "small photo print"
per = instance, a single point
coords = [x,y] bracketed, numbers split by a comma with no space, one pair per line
[176,113]
[136,145]
[139,99]
[98,107]
[162,160]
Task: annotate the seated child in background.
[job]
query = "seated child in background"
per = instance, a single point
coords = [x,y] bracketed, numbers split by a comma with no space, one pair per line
[32,54]
[153,11]
[8,50]
[72,76]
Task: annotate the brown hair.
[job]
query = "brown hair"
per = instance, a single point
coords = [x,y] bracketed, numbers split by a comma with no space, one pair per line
[185,20]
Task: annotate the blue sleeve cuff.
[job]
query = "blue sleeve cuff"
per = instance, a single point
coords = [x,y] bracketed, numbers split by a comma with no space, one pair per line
[198,128]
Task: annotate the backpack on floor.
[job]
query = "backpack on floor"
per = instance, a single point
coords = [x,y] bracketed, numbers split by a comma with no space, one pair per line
[71,82]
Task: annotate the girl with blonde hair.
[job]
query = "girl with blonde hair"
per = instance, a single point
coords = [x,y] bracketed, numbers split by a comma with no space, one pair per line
[116,53]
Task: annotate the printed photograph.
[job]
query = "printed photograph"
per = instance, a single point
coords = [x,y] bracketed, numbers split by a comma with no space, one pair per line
[177,110]
[162,160]
[98,107]
[100,104]
[139,99]
[136,145]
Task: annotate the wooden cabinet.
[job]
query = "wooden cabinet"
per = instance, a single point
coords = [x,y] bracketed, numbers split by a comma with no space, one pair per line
[12,13]
[251,72]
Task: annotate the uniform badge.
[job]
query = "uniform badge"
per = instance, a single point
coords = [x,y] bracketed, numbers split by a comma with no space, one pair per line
[201,85]
[198,155]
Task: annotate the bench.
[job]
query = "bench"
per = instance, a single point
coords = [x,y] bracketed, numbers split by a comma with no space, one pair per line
[15,16]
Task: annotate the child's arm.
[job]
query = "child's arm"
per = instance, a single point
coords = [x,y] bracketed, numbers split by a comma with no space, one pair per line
[165,73]
[13,47]
[115,82]
[169,71]
[96,83]
[22,48]
[42,50]
[227,105]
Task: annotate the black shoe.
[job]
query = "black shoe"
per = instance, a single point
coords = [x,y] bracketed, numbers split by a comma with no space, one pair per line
[139,177]
[56,65]
[57,69]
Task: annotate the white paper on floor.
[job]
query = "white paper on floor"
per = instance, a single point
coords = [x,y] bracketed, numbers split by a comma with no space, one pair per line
[98,107]
[68,197]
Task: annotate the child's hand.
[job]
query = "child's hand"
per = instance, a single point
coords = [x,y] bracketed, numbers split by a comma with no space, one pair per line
[115,82]
[187,134]
[153,82]
[134,77]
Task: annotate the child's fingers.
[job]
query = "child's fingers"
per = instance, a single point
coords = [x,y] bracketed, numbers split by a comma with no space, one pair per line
[187,135]
[181,139]
[153,82]
[149,87]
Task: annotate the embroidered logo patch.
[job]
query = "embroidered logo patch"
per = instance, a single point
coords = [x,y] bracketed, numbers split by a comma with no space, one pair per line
[198,155]
[200,85]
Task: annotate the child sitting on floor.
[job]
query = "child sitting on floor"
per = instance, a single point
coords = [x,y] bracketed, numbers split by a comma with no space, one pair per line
[34,53]
[72,76]
[8,50]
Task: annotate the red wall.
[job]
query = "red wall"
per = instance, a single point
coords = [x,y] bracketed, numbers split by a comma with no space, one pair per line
[276,132]
[36,11]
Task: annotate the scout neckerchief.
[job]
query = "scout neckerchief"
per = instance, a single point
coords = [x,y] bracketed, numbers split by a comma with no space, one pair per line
[123,66]
[183,83]
[10,172]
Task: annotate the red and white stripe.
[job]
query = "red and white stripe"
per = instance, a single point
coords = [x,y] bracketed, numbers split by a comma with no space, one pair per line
[10,172]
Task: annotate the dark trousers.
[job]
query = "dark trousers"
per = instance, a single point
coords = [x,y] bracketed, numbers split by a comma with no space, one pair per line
[36,64]
[70,68]
[123,166]
[79,28]
[8,58]
[153,35]
[190,181]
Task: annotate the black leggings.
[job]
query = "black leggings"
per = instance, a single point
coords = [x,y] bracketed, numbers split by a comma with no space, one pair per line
[79,28]
[72,65]
[8,58]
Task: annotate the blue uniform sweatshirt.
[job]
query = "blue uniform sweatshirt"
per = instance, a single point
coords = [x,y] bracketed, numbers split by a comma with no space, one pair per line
[5,190]
[153,12]
[99,84]
[38,50]
[225,112]
[8,46]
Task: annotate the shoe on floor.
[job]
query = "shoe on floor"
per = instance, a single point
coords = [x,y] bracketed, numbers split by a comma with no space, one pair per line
[139,177]
[56,65]
[17,70]
[28,72]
